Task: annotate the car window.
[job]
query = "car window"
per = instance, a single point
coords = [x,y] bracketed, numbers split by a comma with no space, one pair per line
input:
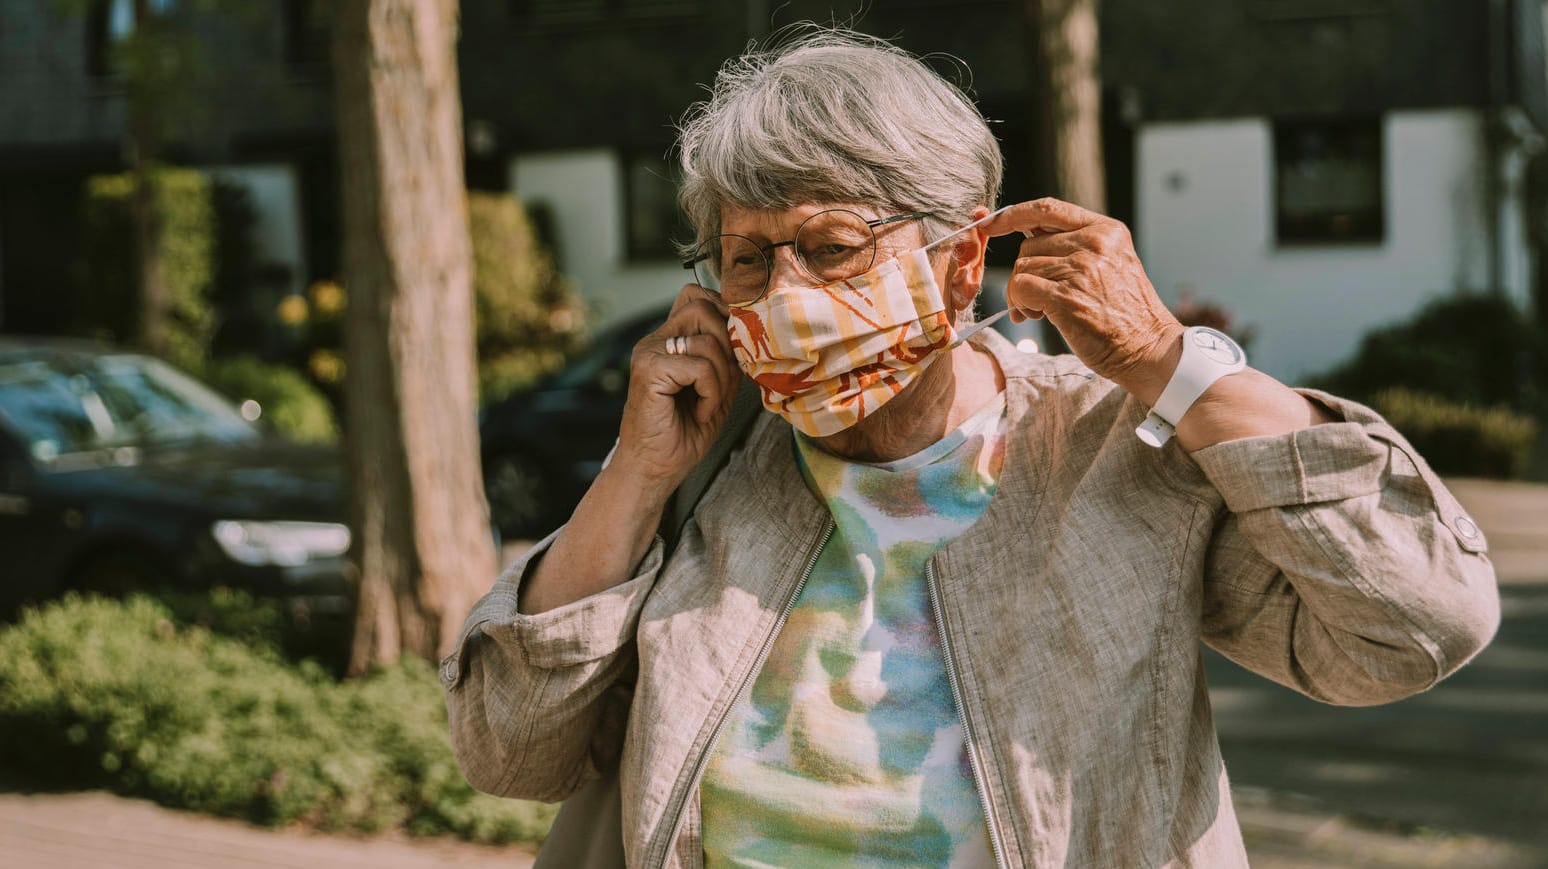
[163,403]
[109,401]
[45,408]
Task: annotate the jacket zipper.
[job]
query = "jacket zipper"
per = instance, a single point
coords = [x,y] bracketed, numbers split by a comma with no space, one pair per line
[763,654]
[962,713]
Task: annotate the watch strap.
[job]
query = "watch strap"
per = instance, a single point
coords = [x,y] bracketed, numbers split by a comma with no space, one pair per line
[1195,373]
[1155,431]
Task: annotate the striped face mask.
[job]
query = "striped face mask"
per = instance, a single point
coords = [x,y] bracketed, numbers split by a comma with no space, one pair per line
[826,357]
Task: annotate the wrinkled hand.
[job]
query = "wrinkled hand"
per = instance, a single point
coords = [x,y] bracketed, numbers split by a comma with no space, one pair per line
[677,402]
[1079,269]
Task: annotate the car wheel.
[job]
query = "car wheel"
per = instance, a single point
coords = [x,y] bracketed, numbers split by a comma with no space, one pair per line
[516,491]
[117,572]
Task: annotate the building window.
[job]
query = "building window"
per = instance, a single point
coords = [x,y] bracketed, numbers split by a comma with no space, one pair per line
[655,224]
[1328,181]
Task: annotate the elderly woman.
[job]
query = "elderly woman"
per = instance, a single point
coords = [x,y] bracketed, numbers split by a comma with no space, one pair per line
[942,606]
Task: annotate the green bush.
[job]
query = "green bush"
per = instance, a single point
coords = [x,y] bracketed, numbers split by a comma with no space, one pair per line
[1475,349]
[527,317]
[262,624]
[100,693]
[1457,438]
[291,404]
[257,623]
[185,201]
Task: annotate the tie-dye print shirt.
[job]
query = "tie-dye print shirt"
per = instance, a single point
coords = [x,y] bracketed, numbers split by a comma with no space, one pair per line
[849,751]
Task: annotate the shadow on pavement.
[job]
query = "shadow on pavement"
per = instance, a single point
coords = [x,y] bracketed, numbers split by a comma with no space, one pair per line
[1468,756]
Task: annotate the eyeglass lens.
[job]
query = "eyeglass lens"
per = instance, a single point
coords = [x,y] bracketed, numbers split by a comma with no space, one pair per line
[830,245]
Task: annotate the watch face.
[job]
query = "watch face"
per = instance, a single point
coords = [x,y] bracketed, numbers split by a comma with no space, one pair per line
[1217,346]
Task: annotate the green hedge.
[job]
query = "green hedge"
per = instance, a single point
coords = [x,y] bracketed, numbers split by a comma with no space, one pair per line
[185,201]
[528,317]
[1460,439]
[291,404]
[1470,349]
[129,695]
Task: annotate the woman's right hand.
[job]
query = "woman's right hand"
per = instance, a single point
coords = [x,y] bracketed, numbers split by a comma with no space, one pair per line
[676,406]
[677,401]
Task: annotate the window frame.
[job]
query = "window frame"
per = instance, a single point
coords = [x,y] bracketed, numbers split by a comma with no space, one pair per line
[1369,226]
[636,253]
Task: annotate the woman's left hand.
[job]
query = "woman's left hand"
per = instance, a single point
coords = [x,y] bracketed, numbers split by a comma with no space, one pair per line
[1079,269]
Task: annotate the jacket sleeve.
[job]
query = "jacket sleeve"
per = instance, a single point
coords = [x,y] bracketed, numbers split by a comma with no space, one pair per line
[1343,568]
[538,703]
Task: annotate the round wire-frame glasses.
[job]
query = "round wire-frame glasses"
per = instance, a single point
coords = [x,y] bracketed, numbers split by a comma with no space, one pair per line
[832,245]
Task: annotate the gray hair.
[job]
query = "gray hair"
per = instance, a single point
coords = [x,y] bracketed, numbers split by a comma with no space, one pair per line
[828,115]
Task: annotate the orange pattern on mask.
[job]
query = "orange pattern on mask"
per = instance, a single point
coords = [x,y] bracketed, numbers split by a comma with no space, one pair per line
[755,330]
[827,357]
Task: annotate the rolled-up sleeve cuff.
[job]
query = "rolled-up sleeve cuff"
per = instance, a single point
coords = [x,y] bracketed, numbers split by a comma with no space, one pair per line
[590,628]
[1328,462]
[576,633]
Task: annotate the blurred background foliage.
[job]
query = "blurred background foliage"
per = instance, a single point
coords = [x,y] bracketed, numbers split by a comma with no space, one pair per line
[529,318]
[1461,438]
[291,404]
[186,200]
[192,701]
[1463,379]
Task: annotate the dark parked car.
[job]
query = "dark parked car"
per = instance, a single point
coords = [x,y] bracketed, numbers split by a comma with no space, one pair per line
[117,472]
[543,447]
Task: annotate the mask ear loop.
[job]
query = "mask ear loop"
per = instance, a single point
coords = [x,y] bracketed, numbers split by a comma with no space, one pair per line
[990,320]
[959,230]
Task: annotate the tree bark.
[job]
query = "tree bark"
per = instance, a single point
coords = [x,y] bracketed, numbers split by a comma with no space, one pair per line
[155,298]
[422,547]
[1067,89]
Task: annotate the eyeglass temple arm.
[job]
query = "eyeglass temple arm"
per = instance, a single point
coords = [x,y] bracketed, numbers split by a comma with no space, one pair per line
[913,215]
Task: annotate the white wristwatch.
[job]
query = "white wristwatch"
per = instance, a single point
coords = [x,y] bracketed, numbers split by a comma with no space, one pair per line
[1208,355]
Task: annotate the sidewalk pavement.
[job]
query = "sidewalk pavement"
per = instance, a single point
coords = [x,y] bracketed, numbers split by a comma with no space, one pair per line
[1514,518]
[96,830]
[1283,833]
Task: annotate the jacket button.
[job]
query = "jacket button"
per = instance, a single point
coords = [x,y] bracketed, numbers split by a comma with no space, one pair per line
[1466,527]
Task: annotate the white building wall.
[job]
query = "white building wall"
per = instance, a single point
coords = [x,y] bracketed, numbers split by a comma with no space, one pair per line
[1205,223]
[584,190]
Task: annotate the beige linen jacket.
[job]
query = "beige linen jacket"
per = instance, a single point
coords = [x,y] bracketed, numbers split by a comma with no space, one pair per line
[1330,560]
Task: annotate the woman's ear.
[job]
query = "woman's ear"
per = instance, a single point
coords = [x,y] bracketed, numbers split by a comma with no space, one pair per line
[965,274]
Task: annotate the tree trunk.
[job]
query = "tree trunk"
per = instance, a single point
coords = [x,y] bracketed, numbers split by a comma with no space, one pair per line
[1067,90]
[155,298]
[422,549]
[1067,106]
[155,301]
